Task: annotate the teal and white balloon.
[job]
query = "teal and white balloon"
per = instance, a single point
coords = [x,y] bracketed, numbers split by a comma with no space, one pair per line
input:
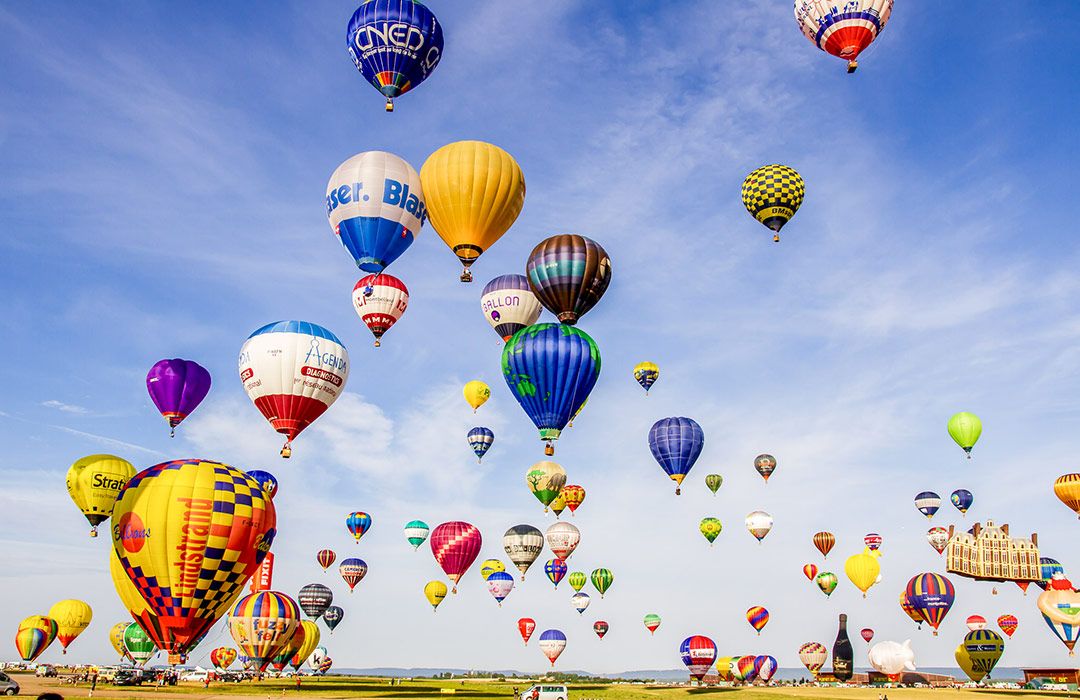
[416,532]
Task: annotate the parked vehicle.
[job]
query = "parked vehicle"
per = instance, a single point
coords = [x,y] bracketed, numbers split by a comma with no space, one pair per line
[129,676]
[546,692]
[45,671]
[7,685]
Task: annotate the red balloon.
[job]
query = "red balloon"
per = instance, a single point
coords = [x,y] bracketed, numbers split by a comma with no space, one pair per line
[601,628]
[526,626]
[326,557]
[867,634]
[810,571]
[455,546]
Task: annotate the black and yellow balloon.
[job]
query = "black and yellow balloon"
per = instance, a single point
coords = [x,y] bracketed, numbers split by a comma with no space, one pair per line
[94,482]
[772,194]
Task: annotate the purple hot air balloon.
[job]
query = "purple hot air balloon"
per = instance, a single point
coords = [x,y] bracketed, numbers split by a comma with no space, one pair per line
[177,387]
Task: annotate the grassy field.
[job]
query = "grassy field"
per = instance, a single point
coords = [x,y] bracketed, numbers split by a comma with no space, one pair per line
[355,687]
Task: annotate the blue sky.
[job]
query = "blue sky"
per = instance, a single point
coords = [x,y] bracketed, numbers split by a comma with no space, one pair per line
[164,169]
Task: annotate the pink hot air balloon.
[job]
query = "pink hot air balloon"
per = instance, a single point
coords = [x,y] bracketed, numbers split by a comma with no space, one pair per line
[867,634]
[455,546]
[177,387]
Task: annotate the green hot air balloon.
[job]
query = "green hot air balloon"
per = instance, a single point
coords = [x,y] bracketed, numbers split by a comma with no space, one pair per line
[714,481]
[826,581]
[652,622]
[965,428]
[710,528]
[602,580]
[577,580]
[138,644]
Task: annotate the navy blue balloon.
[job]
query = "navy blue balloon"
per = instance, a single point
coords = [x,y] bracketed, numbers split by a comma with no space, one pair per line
[395,45]
[332,617]
[962,499]
[676,444]
[480,439]
[551,368]
[266,481]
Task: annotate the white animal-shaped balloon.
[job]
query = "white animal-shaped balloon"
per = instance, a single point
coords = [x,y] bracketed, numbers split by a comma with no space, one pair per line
[891,658]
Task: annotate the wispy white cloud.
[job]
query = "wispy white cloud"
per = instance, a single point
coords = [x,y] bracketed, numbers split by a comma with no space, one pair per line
[106,441]
[66,407]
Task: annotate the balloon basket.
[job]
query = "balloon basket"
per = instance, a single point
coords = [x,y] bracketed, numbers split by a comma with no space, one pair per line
[776,238]
[389,105]
[852,66]
[286,451]
[466,276]
[378,344]
[93,532]
[549,450]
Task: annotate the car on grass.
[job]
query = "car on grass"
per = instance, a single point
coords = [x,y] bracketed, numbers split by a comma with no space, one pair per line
[129,676]
[7,685]
[546,692]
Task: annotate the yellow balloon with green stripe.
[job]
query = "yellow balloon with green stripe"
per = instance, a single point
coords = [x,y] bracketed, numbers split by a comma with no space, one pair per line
[772,194]
[577,580]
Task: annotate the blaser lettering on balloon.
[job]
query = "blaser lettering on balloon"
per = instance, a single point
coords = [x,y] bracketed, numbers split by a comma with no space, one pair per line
[397,194]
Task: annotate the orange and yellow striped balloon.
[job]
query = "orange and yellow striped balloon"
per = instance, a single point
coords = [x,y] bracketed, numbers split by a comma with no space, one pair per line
[34,636]
[1067,489]
[262,624]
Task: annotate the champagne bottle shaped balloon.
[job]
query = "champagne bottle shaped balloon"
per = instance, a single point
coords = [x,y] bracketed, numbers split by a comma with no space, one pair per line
[843,660]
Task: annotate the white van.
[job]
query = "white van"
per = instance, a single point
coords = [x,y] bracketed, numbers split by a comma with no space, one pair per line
[546,692]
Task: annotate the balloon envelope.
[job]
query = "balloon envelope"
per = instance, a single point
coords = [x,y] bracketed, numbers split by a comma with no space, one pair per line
[94,483]
[979,653]
[965,429]
[72,617]
[480,440]
[698,654]
[676,444]
[813,655]
[552,643]
[568,273]
[931,596]
[523,544]
[34,636]
[844,33]
[395,44]
[646,374]
[416,532]
[455,546]
[380,302]
[314,599]
[353,571]
[772,194]
[526,626]
[508,305]
[177,387]
[962,499]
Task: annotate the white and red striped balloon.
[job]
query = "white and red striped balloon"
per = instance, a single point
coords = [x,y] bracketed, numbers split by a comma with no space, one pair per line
[380,300]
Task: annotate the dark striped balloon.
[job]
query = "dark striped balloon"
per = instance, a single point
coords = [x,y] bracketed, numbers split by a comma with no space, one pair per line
[931,596]
[568,273]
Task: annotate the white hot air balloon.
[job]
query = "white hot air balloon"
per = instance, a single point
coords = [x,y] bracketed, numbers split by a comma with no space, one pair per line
[843,30]
[580,601]
[380,300]
[523,544]
[759,523]
[552,643]
[509,304]
[293,371]
[563,539]
[891,658]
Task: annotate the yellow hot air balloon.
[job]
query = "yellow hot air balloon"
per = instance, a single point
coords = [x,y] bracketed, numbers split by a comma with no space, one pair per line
[490,566]
[312,636]
[116,638]
[863,569]
[558,505]
[645,374]
[476,393]
[772,194]
[435,591]
[723,667]
[545,480]
[474,192]
[94,482]
[1067,489]
[72,617]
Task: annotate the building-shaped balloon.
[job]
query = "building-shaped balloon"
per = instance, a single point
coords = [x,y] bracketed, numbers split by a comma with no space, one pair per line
[990,553]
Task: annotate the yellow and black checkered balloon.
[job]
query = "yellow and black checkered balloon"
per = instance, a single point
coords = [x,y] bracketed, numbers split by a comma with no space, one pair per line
[772,194]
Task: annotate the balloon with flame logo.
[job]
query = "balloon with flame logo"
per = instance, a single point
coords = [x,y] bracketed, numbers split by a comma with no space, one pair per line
[844,33]
[34,636]
[698,654]
[508,305]
[1060,607]
[652,622]
[94,483]
[312,636]
[569,274]
[1008,624]
[353,571]
[676,444]
[455,546]
[395,44]
[222,657]
[326,558]
[813,655]
[979,653]
[526,626]
[116,638]
[262,623]
[293,371]
[187,537]
[72,617]
[380,302]
[177,387]
[824,542]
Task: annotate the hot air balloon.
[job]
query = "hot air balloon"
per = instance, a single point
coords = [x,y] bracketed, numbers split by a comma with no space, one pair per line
[480,439]
[965,429]
[810,571]
[555,570]
[550,368]
[723,668]
[325,558]
[891,658]
[772,194]
[938,537]
[311,640]
[1060,608]
[765,465]
[266,481]
[289,650]
[262,623]
[1047,568]
[568,273]
[375,207]
[931,595]
[499,585]
[317,657]
[862,569]
[552,643]
[602,580]
[34,636]
[713,482]
[490,566]
[574,496]
[928,503]
[867,634]
[545,480]
[380,301]
[353,571]
[71,617]
[357,524]
[314,599]
[976,622]
[765,667]
[435,592]
[676,443]
[509,304]
[116,638]
[652,622]
[844,33]
[826,581]
[710,528]
[1067,489]
[94,483]
[698,653]
[558,505]
[979,653]
[325,665]
[742,669]
[872,541]
[140,647]
[523,544]
[1008,624]
[476,393]
[293,371]
[580,601]
[177,387]
[759,523]
[416,532]
[333,617]
[455,546]
[962,499]
[221,657]
[909,609]
[646,373]
[395,44]
[824,541]
[562,539]
[577,580]
[813,655]
[526,626]
[211,527]
[474,193]
[758,617]
[601,628]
